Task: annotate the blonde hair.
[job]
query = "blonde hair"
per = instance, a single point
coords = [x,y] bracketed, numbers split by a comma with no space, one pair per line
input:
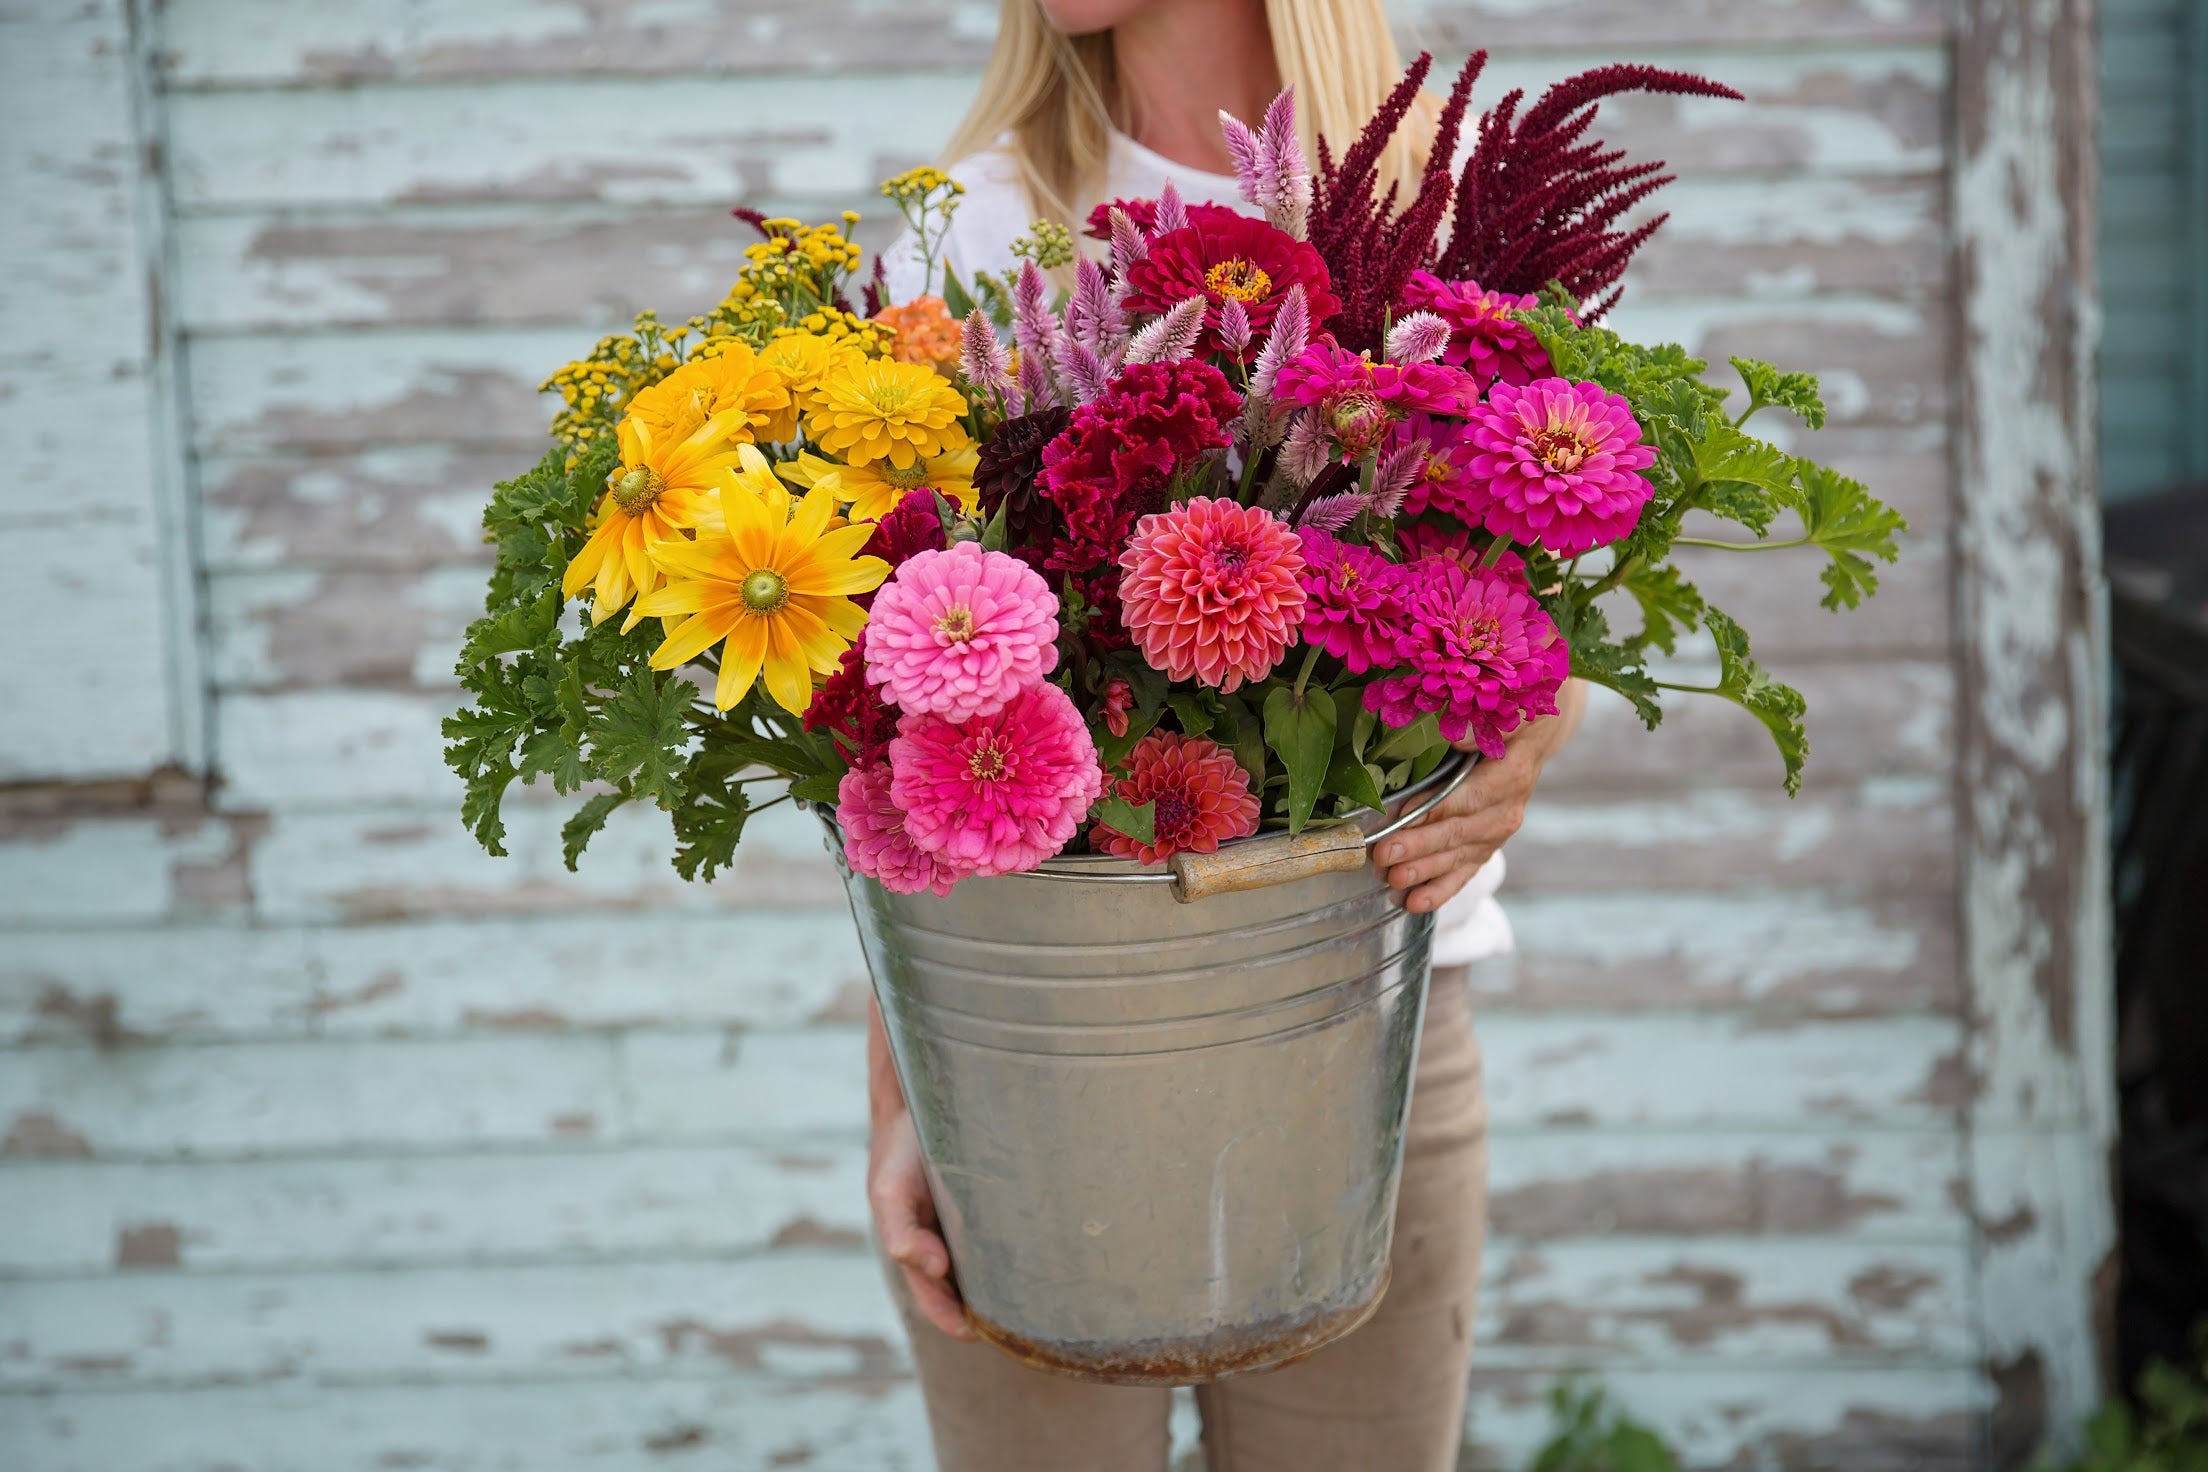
[1058,96]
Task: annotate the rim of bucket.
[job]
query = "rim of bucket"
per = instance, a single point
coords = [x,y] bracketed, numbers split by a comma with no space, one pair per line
[1447,773]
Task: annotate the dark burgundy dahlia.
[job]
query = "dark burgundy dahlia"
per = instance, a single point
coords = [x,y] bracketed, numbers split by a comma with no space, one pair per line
[1008,477]
[1220,255]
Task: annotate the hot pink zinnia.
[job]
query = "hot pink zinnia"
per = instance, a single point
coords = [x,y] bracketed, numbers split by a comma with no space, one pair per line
[1444,481]
[1482,655]
[1201,793]
[1562,464]
[1353,605]
[1000,793]
[1210,591]
[1359,401]
[874,839]
[1484,338]
[957,633]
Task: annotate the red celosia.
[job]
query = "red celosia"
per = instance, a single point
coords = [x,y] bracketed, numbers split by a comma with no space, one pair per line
[1221,255]
[915,526]
[1484,338]
[1201,797]
[851,711]
[1482,655]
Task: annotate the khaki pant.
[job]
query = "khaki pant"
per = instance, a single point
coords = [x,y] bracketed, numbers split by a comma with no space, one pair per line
[1388,1398]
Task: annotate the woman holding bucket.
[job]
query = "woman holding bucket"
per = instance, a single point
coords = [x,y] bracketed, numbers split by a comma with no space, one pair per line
[1092,100]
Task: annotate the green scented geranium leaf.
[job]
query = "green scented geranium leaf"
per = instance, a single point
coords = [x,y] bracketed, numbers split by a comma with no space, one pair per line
[1669,604]
[1350,778]
[1601,660]
[1743,681]
[638,736]
[577,832]
[518,626]
[1300,730]
[1852,526]
[1117,813]
[1768,388]
[821,787]
[1743,479]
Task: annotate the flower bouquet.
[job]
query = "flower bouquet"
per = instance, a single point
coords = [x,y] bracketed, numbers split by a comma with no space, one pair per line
[1100,570]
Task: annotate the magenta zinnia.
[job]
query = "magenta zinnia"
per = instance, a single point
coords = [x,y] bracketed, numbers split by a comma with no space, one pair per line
[1000,793]
[1484,338]
[1359,401]
[1482,655]
[1223,256]
[1443,480]
[874,839]
[1200,793]
[957,633]
[1353,601]
[1561,463]
[1210,592]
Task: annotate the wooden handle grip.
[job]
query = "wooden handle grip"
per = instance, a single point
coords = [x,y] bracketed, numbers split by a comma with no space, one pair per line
[1337,850]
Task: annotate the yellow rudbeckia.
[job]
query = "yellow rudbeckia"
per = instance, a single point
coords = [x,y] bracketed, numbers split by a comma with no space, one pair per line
[772,589]
[882,409]
[660,488]
[732,381]
[804,359]
[874,490]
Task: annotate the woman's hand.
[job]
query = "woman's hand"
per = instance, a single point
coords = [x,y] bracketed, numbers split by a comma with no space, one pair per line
[1439,856]
[897,1192]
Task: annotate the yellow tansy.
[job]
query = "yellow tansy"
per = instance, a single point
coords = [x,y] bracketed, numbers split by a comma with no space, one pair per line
[734,380]
[660,488]
[885,410]
[772,588]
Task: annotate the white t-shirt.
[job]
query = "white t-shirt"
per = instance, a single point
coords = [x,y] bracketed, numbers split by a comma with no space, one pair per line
[995,212]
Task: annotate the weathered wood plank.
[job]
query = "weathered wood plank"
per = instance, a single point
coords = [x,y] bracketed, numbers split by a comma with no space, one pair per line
[2033,675]
[393,508]
[692,140]
[85,1217]
[814,1317]
[264,42]
[181,864]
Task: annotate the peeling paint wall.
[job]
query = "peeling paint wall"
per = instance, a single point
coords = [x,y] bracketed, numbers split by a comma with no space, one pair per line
[327,1142]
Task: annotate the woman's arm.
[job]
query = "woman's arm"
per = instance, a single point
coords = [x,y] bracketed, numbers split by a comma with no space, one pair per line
[897,1190]
[1437,858]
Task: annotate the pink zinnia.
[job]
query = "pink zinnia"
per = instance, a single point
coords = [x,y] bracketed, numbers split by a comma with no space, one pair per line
[874,839]
[1201,793]
[1483,655]
[1561,463]
[1210,591]
[957,633]
[1359,402]
[1000,793]
[1444,480]
[1353,601]
[1484,338]
[1421,540]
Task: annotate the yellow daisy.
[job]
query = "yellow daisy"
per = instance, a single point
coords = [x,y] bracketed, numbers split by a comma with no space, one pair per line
[885,410]
[804,359]
[733,380]
[772,589]
[874,490]
[661,488]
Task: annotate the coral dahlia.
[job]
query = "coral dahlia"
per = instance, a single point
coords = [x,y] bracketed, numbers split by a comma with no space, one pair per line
[1201,794]
[1224,256]
[999,793]
[1353,601]
[959,632]
[875,842]
[1210,590]
[1562,464]
[1483,655]
[1484,338]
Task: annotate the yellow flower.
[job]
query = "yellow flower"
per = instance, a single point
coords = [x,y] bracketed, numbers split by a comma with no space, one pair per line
[772,589]
[804,359]
[874,490]
[732,381]
[660,488]
[885,410]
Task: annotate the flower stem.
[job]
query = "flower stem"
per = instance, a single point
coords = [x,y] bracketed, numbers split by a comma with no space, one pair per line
[1303,676]
[1495,550]
[1687,689]
[1724,546]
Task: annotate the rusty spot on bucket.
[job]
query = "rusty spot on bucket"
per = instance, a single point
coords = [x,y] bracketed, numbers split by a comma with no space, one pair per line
[1195,1360]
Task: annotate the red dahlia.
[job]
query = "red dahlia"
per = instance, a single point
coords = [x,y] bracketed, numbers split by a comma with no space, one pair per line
[1220,254]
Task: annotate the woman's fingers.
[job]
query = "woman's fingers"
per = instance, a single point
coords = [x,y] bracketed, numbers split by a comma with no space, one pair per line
[938,1304]
[905,1223]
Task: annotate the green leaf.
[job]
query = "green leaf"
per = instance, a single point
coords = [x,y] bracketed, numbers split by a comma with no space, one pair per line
[1301,734]
[1742,681]
[820,787]
[1117,813]
[1670,605]
[479,807]
[709,823]
[994,534]
[1769,388]
[1193,711]
[576,832]
[1599,660]
[1852,526]
[1405,742]
[955,300]
[638,735]
[1249,750]
[1743,479]
[1112,750]
[511,629]
[1348,777]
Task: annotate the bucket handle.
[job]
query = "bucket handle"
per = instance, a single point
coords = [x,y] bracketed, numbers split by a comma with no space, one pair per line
[1339,849]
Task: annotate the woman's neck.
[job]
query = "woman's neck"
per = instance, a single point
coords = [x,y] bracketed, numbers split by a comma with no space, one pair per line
[1179,64]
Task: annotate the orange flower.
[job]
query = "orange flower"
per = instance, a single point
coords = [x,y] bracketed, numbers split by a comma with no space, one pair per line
[927,333]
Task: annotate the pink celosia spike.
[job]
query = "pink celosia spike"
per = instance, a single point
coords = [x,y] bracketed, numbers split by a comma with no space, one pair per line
[1085,373]
[1129,245]
[1091,300]
[1291,334]
[1172,212]
[1331,513]
[1172,336]
[982,357]
[1391,482]
[1417,337]
[1234,326]
[1309,449]
[1035,329]
[1037,391]
[1247,150]
[1286,170]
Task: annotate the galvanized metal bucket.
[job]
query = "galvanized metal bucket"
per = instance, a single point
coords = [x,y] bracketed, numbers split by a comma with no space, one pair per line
[1163,1109]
